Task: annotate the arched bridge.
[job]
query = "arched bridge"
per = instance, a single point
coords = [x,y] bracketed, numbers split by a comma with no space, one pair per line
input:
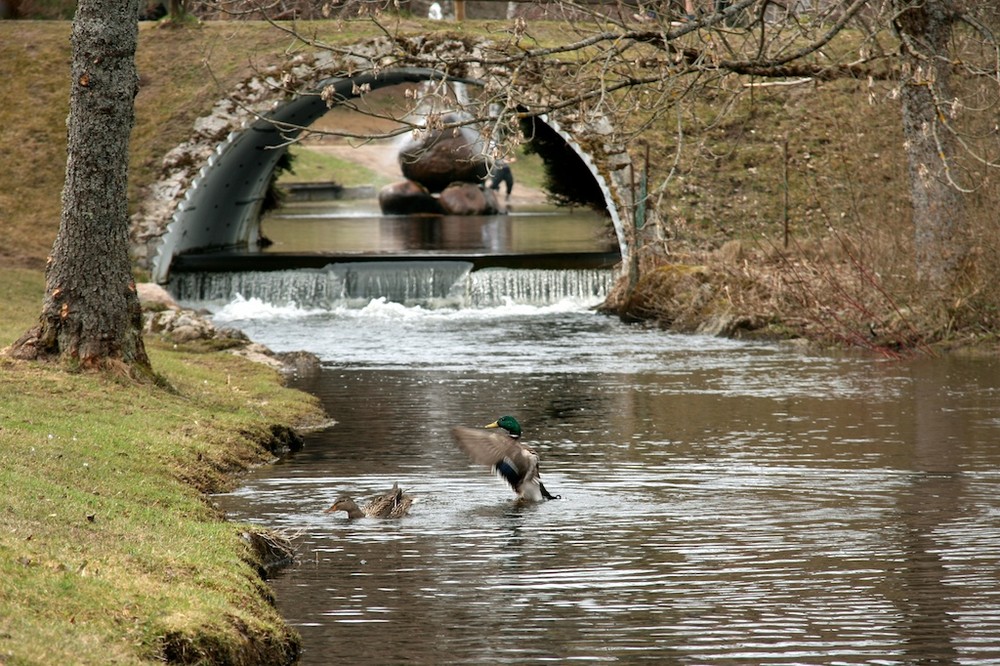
[209,199]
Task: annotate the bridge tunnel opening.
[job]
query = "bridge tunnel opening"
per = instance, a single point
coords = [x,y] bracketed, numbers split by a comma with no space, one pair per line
[223,209]
[554,168]
[569,180]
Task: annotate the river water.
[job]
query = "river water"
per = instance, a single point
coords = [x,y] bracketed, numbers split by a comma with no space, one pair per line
[722,502]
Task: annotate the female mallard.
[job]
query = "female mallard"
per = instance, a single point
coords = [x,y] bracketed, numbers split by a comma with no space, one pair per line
[393,504]
[506,455]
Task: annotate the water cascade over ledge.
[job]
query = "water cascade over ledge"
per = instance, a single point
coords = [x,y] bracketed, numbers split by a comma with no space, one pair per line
[417,283]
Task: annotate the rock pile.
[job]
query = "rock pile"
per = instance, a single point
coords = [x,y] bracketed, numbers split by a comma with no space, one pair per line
[163,317]
[444,170]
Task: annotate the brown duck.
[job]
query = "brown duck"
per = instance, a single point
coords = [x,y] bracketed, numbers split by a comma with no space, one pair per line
[393,504]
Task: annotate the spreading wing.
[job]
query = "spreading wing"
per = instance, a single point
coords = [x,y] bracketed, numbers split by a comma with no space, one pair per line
[495,450]
[486,447]
[505,456]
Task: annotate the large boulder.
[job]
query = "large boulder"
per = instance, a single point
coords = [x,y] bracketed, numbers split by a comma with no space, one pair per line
[438,158]
[407,198]
[468,199]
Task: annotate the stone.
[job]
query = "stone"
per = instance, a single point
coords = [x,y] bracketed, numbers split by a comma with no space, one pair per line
[438,158]
[258,353]
[407,197]
[188,333]
[299,363]
[468,199]
[178,325]
[154,297]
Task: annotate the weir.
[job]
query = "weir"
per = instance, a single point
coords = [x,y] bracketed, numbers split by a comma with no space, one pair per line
[427,284]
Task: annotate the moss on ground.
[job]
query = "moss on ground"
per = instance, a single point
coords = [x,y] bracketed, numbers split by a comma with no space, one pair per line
[109,550]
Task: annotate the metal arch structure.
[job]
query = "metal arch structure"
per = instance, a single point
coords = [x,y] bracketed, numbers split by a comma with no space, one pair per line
[221,208]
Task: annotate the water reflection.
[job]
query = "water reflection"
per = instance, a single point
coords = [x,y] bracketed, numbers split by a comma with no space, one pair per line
[723,502]
[350,227]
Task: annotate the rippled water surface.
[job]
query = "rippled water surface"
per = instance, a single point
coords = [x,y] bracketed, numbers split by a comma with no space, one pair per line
[722,502]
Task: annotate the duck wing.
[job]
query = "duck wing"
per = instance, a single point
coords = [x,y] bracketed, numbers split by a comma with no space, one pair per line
[505,455]
[487,447]
[402,507]
[392,504]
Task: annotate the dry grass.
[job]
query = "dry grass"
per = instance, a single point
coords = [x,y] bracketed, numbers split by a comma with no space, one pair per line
[846,275]
[818,291]
[34,120]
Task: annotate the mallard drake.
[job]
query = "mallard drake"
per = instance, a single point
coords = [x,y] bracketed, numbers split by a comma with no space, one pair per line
[393,504]
[505,455]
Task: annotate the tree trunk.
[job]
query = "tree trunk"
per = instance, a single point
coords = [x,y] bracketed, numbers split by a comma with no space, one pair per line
[91,316]
[176,10]
[941,241]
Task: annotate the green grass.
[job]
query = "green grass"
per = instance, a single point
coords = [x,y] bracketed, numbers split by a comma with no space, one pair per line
[311,166]
[529,171]
[109,552]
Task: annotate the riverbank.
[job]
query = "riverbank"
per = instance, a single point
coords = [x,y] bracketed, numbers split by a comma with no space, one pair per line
[110,550]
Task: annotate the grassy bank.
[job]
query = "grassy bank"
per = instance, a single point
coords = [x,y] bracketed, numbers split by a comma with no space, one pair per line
[109,552]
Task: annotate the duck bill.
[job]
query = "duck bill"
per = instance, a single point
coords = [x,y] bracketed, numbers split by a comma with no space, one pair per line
[492,425]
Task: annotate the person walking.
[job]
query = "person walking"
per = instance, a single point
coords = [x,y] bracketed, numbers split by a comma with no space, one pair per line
[502,174]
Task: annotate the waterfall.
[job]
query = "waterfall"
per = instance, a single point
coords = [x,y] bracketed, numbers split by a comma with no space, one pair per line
[534,286]
[431,284]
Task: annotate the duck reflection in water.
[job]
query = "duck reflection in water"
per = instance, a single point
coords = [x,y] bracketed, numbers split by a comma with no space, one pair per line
[504,453]
[393,504]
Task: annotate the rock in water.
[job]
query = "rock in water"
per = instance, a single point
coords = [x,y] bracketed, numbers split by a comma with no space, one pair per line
[468,199]
[407,198]
[438,158]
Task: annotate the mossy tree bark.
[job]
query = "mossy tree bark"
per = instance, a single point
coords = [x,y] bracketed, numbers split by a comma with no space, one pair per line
[941,239]
[91,317]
